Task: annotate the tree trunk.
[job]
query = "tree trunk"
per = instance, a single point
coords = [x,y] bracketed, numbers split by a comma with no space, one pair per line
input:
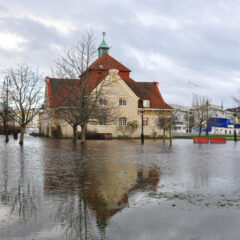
[200,130]
[74,133]
[170,136]
[83,134]
[22,135]
[164,135]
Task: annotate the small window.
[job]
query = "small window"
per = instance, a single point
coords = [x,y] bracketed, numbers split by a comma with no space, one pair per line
[122,121]
[145,122]
[102,101]
[146,103]
[103,121]
[122,101]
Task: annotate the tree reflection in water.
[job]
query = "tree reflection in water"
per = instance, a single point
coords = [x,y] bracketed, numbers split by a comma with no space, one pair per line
[94,190]
[75,190]
[20,197]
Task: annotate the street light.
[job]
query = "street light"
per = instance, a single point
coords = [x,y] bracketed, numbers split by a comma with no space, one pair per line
[235,122]
[6,83]
[142,135]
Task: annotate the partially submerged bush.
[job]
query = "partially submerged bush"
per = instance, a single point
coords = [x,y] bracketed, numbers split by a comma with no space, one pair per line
[129,129]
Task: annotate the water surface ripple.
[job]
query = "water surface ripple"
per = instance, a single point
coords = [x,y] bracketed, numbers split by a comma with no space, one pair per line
[118,189]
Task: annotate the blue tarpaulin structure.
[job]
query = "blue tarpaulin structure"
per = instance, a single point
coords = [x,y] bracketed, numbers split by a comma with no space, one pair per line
[217,122]
[220,122]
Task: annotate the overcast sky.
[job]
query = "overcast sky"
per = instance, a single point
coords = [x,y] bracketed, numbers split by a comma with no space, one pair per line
[168,41]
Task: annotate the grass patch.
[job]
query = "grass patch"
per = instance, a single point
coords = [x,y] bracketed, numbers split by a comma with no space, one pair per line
[228,137]
[200,199]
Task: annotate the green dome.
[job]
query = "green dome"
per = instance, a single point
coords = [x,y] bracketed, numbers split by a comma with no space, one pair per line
[103,44]
[103,48]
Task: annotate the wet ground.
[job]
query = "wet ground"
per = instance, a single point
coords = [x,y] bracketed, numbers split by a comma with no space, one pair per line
[51,189]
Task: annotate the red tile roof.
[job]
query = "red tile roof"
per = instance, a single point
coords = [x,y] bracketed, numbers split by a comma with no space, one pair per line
[63,92]
[67,92]
[147,91]
[106,62]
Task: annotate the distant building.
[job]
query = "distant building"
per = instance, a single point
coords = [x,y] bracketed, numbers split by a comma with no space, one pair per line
[187,119]
[181,125]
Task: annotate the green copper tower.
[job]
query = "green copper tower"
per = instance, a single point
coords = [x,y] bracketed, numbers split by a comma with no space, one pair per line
[103,48]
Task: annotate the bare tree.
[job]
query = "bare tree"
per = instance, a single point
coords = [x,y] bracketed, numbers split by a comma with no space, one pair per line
[77,107]
[81,103]
[237,101]
[2,113]
[75,60]
[200,111]
[3,109]
[166,121]
[25,94]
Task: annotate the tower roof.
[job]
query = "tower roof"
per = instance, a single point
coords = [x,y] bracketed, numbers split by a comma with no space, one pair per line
[106,62]
[103,44]
[103,48]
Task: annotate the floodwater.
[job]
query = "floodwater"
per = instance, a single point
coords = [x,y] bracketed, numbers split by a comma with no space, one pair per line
[51,189]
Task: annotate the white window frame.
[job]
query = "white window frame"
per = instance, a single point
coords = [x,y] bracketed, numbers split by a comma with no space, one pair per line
[122,121]
[122,101]
[145,122]
[146,103]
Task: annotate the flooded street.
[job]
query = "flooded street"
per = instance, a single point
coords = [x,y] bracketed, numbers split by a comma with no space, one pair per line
[51,189]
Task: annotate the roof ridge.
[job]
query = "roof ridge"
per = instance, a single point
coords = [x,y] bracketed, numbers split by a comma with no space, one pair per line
[62,78]
[112,61]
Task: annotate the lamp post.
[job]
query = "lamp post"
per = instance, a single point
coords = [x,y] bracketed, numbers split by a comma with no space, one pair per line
[235,122]
[6,83]
[142,135]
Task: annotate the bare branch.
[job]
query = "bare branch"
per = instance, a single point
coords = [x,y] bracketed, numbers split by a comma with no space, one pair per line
[25,93]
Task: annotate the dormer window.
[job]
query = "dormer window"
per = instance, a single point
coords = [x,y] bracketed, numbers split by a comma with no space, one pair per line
[146,103]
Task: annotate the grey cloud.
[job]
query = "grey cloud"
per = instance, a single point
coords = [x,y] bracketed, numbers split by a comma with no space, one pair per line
[200,39]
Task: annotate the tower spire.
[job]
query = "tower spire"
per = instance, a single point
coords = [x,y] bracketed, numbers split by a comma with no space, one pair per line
[103,48]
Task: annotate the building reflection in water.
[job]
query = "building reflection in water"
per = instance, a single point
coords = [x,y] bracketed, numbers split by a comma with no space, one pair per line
[94,190]
[63,189]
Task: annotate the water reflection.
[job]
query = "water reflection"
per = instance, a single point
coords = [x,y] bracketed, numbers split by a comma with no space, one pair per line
[97,189]
[56,190]
[20,197]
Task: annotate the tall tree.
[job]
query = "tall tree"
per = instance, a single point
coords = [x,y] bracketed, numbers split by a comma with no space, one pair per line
[200,111]
[25,94]
[80,101]
[165,121]
[2,114]
[237,100]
